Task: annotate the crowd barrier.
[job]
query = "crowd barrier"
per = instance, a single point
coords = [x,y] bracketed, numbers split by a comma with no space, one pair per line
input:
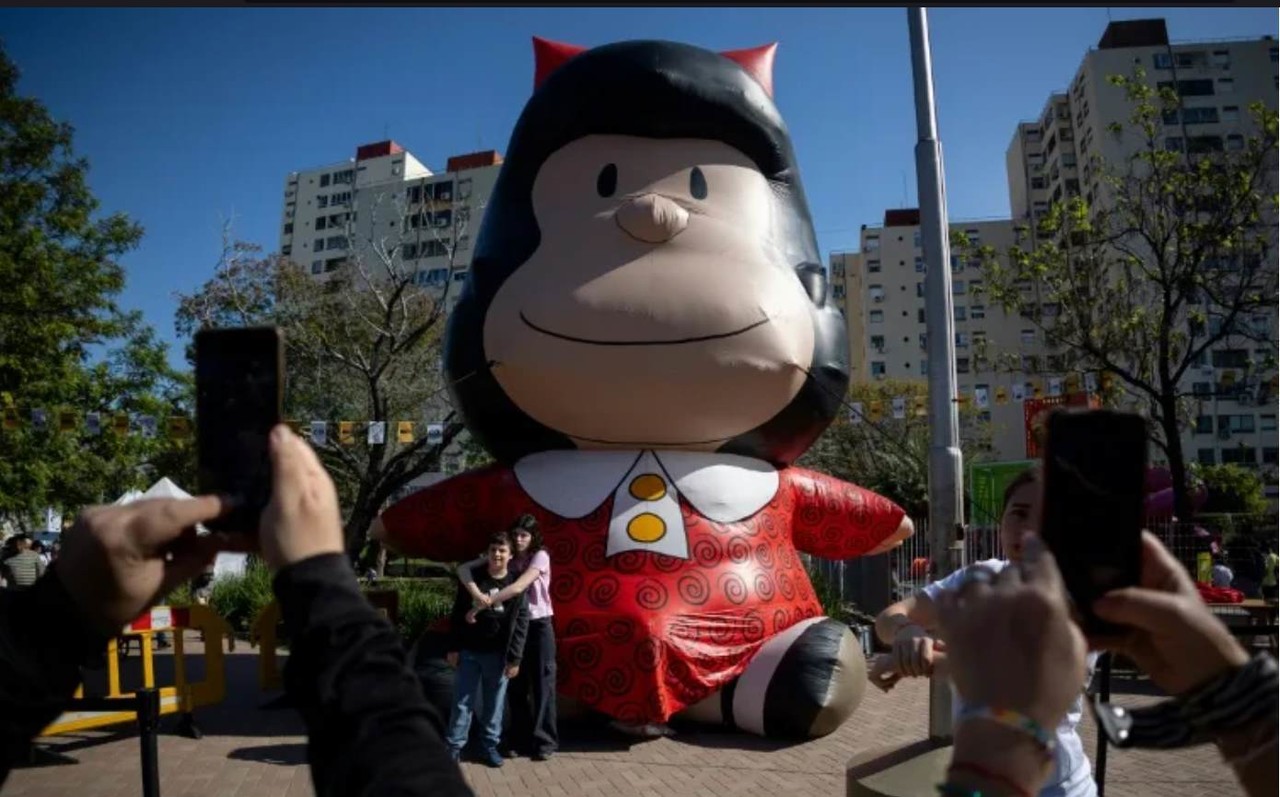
[183,696]
[264,633]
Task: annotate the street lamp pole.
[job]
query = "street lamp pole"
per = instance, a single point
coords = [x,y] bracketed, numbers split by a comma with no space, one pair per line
[945,466]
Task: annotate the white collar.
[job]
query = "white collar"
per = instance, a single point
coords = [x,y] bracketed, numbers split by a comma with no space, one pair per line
[721,487]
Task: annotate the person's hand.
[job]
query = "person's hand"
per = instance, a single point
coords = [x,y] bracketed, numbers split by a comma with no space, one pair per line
[1010,640]
[452,658]
[481,598]
[471,615]
[884,673]
[1175,639]
[116,561]
[302,519]
[912,652]
[512,670]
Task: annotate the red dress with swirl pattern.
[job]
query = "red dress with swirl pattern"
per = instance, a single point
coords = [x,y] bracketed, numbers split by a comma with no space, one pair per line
[641,636]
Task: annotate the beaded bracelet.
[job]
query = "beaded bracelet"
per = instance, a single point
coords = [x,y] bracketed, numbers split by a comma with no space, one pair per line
[952,790]
[1011,719]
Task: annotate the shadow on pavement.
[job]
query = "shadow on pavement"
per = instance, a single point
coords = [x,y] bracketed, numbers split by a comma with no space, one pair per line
[284,755]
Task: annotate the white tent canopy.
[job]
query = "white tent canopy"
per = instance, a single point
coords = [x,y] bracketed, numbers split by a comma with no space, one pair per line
[226,564]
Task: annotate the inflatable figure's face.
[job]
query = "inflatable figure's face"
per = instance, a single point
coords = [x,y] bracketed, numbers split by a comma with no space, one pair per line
[656,309]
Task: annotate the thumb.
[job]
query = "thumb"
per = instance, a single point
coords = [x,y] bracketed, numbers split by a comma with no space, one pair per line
[1144,609]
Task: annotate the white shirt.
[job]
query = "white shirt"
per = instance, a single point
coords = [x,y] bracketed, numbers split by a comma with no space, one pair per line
[1072,775]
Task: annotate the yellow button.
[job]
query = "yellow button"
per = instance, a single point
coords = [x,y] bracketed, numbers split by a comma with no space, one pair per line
[648,487]
[646,528]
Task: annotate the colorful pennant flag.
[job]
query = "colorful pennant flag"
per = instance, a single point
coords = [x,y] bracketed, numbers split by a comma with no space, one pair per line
[435,434]
[921,406]
[179,427]
[319,433]
[93,423]
[1090,383]
[1073,383]
[120,423]
[1036,392]
[899,408]
[39,419]
[346,433]
[377,433]
[1055,386]
[855,412]
[67,420]
[981,398]
[876,411]
[1019,392]
[11,419]
[147,424]
[404,432]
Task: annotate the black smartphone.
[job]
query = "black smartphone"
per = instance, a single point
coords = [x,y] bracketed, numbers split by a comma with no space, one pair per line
[1095,466]
[239,398]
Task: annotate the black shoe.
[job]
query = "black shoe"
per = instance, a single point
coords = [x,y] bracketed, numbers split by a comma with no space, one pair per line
[510,752]
[541,755]
[493,759]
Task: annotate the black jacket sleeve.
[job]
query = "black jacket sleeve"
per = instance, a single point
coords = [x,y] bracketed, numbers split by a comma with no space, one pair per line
[44,640]
[370,730]
[519,628]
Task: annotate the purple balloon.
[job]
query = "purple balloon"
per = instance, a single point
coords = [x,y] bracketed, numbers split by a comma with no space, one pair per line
[1158,478]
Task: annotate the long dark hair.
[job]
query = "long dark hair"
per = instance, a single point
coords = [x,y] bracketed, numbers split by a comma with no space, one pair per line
[1029,476]
[651,89]
[529,523]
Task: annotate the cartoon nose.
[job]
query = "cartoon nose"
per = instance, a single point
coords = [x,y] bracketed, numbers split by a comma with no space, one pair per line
[651,218]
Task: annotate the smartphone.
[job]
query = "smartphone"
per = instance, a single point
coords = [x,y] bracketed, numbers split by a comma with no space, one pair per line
[239,398]
[1095,466]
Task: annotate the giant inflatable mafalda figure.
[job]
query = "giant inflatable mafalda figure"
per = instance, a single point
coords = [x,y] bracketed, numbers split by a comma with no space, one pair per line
[644,344]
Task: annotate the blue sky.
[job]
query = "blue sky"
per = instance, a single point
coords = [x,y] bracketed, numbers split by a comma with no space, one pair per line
[190,116]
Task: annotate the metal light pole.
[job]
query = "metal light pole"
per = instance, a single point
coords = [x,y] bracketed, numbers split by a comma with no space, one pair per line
[945,467]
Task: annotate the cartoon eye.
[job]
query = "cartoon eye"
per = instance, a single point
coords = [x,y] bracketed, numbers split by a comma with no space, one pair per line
[697,183]
[607,181]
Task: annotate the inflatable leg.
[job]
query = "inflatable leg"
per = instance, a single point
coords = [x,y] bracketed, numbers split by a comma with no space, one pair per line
[803,683]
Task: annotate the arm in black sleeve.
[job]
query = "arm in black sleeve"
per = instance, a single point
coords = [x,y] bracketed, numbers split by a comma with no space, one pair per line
[44,640]
[370,730]
[519,629]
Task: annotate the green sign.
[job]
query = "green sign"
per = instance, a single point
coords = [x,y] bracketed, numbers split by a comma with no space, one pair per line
[987,483]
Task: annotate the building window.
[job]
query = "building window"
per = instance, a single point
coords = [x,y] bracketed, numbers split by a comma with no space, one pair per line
[962,340]
[1231,358]
[1230,113]
[317,266]
[1225,85]
[334,263]
[1030,364]
[877,316]
[343,177]
[962,365]
[920,290]
[1240,455]
[1204,424]
[443,192]
[324,181]
[876,292]
[1267,422]
[1193,116]
[320,223]
[877,368]
[1193,88]
[1270,454]
[837,291]
[920,315]
[1238,424]
[1037,183]
[877,343]
[1028,337]
[873,266]
[924,341]
[977,312]
[340,199]
[322,201]
[872,244]
[920,265]
[957,288]
[288,228]
[286,250]
[915,239]
[336,242]
[1202,389]
[1207,456]
[1068,160]
[1050,310]
[409,251]
[924,367]
[317,245]
[1235,143]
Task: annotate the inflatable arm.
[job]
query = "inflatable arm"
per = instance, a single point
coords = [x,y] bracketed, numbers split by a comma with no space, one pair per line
[838,520]
[450,521]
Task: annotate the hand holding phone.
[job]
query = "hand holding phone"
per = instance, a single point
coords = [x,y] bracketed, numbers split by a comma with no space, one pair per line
[239,397]
[1092,515]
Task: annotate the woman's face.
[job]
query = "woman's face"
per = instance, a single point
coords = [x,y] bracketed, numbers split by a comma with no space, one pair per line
[523,538]
[1019,518]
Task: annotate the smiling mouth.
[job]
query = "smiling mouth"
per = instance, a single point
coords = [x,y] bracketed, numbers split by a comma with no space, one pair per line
[676,342]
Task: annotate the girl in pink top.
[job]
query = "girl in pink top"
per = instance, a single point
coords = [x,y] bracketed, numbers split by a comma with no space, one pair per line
[531,695]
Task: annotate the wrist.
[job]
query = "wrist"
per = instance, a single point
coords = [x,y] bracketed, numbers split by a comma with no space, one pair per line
[1002,751]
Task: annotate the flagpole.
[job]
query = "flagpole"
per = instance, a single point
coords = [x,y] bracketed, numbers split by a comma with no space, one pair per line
[945,467]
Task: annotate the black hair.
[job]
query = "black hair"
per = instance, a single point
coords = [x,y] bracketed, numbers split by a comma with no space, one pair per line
[1029,476]
[529,523]
[651,89]
[501,538]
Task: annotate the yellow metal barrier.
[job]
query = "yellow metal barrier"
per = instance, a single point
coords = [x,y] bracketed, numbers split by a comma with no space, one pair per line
[263,634]
[182,696]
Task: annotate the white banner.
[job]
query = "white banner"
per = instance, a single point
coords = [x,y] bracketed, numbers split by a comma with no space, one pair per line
[435,434]
[93,423]
[1055,386]
[1090,383]
[377,433]
[899,408]
[1019,392]
[148,425]
[39,419]
[319,433]
[981,398]
[855,412]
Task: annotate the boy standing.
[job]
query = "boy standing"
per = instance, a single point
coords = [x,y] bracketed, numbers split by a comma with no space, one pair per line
[486,652]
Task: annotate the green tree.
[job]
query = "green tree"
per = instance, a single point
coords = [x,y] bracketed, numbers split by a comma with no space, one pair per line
[1233,489]
[64,342]
[1168,266]
[363,342]
[886,454]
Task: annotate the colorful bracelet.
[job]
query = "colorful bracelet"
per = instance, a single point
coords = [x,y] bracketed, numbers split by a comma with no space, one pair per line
[1011,719]
[952,790]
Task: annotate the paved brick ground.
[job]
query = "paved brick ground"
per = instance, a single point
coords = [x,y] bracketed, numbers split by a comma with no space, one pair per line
[249,752]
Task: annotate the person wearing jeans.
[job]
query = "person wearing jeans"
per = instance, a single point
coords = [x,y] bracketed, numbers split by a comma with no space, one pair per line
[486,651]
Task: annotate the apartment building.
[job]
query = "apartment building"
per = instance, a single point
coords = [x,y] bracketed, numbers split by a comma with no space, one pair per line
[1002,359]
[997,357]
[423,219]
[1049,160]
